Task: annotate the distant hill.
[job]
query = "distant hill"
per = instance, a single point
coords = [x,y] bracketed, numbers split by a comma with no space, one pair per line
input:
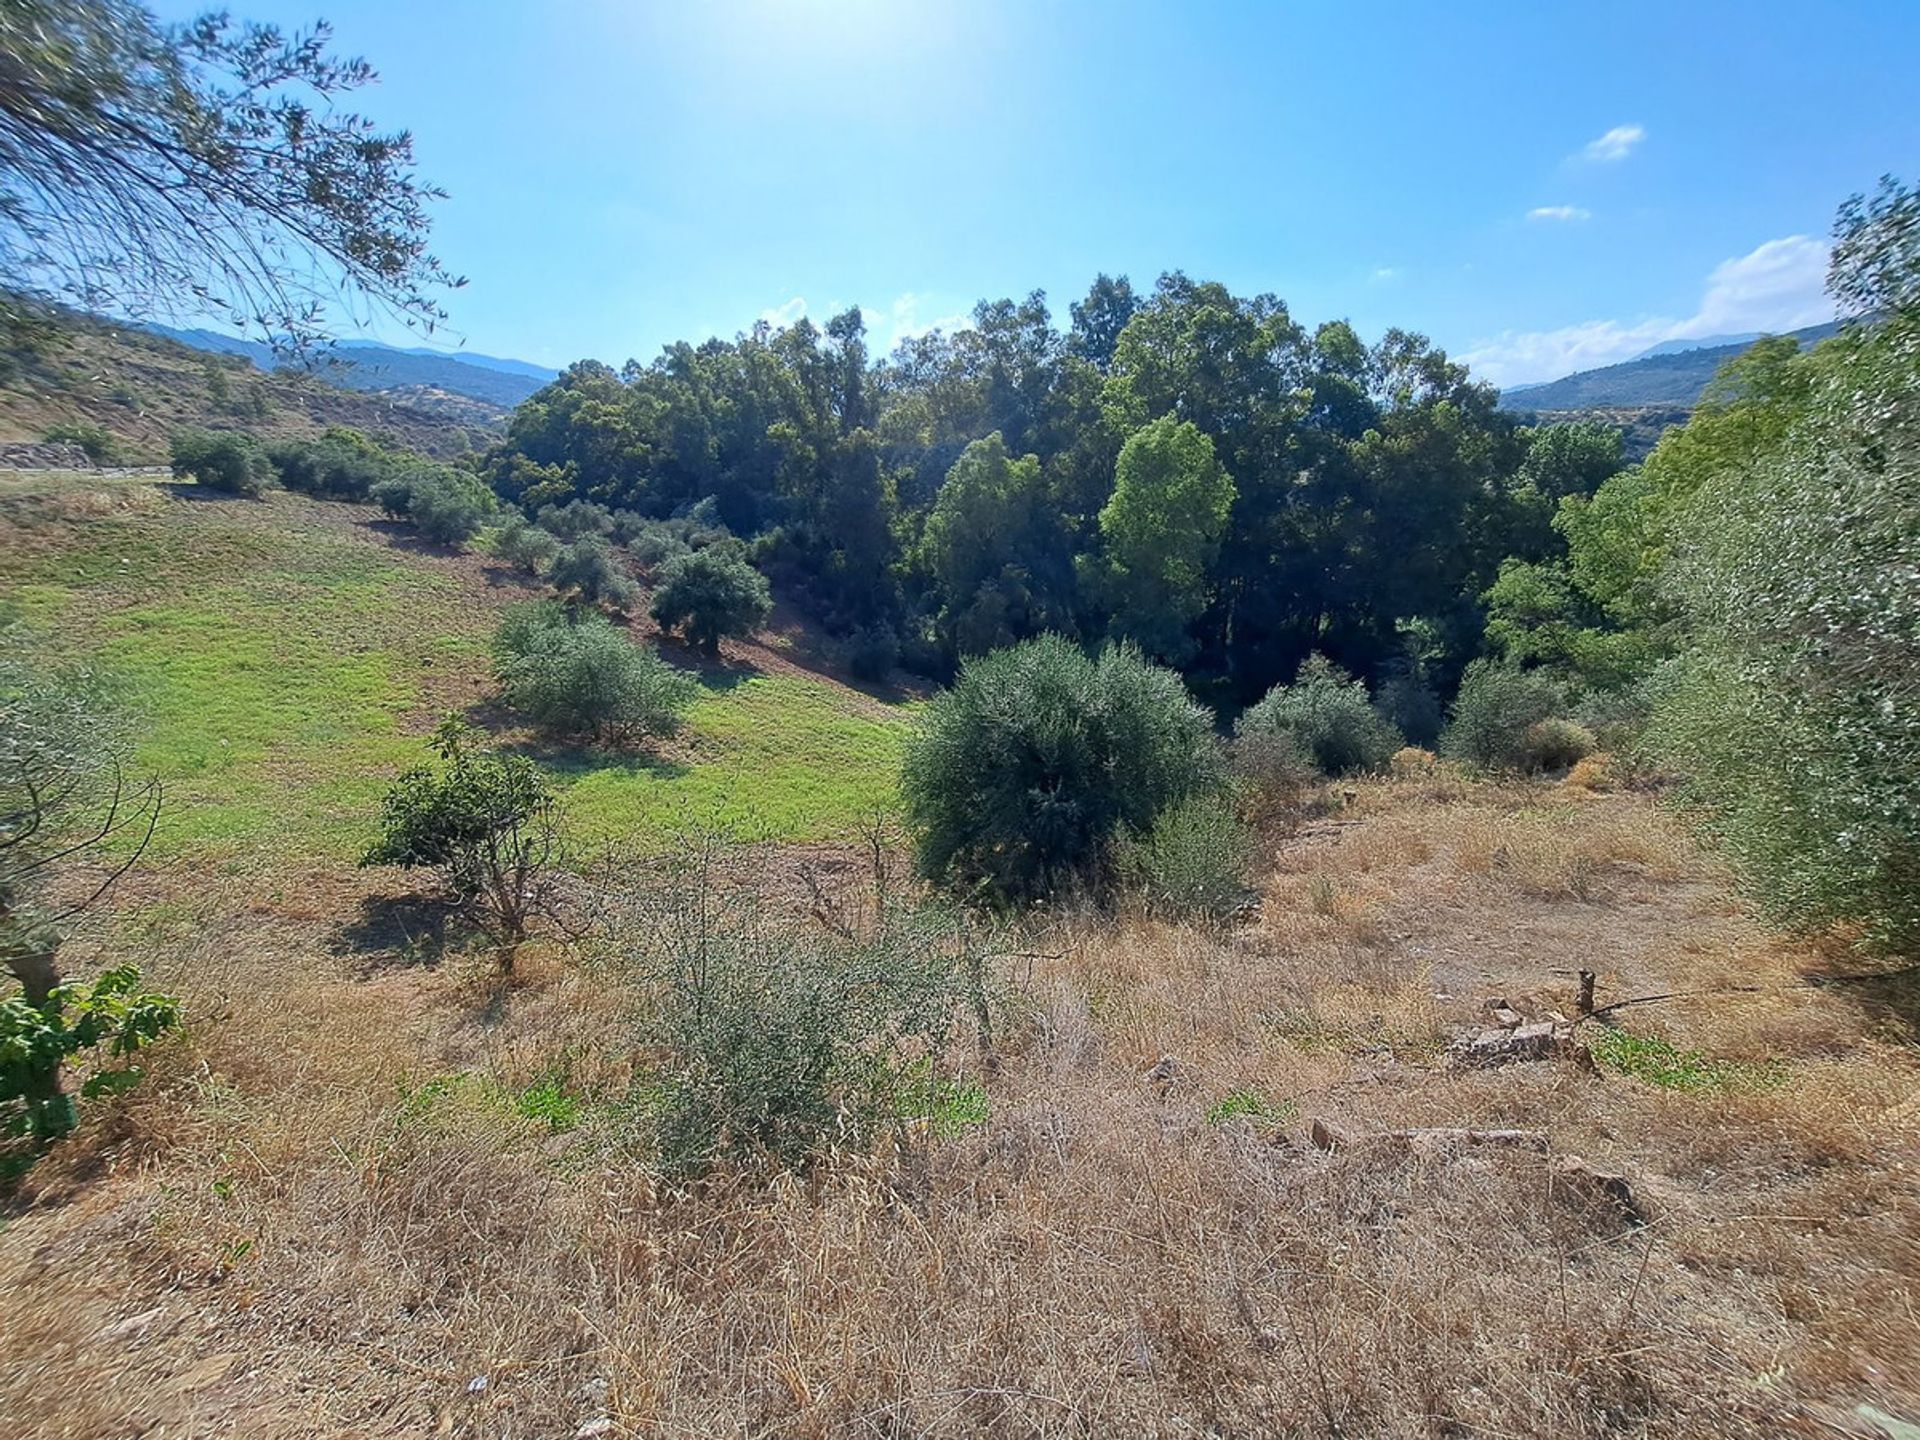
[140,387]
[1661,378]
[369,365]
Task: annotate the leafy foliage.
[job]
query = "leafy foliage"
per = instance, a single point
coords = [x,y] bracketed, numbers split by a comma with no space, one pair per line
[524,546]
[1192,865]
[1022,775]
[36,1040]
[1161,531]
[589,572]
[576,674]
[1497,705]
[1790,710]
[782,1040]
[1328,717]
[227,460]
[484,820]
[62,795]
[176,169]
[342,464]
[707,594]
[444,504]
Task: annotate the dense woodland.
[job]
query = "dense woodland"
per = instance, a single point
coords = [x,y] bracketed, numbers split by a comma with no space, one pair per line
[1189,469]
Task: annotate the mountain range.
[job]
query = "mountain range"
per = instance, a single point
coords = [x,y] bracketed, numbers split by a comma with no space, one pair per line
[1670,374]
[369,365]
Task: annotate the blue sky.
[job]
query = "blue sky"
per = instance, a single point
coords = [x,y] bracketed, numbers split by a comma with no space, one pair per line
[1540,187]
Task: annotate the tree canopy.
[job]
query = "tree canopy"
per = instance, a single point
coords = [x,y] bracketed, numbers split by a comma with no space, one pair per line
[173,170]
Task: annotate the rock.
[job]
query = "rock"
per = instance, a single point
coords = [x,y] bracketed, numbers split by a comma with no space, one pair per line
[1163,1072]
[477,1385]
[134,1326]
[594,1428]
[1538,1040]
[1601,1186]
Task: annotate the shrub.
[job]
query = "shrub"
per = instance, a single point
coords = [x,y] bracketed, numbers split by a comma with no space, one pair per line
[523,546]
[1496,707]
[112,1015]
[711,593]
[1556,744]
[446,505]
[1791,712]
[783,1040]
[1021,776]
[1329,718]
[342,464]
[225,460]
[871,652]
[96,440]
[576,674]
[483,820]
[1410,762]
[590,572]
[1595,772]
[64,797]
[1270,773]
[575,520]
[1192,865]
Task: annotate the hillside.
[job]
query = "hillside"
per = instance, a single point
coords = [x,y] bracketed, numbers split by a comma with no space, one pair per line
[369,365]
[140,388]
[1169,1187]
[1659,379]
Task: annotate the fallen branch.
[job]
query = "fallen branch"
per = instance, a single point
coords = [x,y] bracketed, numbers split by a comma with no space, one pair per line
[1329,1137]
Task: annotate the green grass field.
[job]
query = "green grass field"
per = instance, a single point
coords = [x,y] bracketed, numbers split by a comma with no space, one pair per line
[283,662]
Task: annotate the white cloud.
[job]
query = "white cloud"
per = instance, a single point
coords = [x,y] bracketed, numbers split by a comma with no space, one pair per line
[781,316]
[1559,213]
[1616,144]
[910,316]
[1776,287]
[907,317]
[1385,274]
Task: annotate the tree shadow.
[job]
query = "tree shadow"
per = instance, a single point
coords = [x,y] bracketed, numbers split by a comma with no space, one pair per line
[199,494]
[401,535]
[574,761]
[1888,1000]
[390,932]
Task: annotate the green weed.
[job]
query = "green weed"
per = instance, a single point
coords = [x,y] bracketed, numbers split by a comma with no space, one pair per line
[1661,1063]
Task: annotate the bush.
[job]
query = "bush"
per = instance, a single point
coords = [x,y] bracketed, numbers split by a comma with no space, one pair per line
[709,594]
[1020,777]
[1412,763]
[589,571]
[576,674]
[782,1040]
[483,820]
[342,464]
[872,652]
[575,520]
[96,440]
[1791,712]
[1556,744]
[1192,865]
[1270,773]
[226,460]
[523,546]
[1329,718]
[112,1016]
[446,505]
[1496,707]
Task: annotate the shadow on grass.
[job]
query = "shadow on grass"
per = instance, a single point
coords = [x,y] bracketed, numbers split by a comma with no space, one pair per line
[391,932]
[573,762]
[207,494]
[1889,1001]
[401,535]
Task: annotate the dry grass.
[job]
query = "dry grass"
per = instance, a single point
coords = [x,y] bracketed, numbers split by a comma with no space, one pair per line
[327,1215]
